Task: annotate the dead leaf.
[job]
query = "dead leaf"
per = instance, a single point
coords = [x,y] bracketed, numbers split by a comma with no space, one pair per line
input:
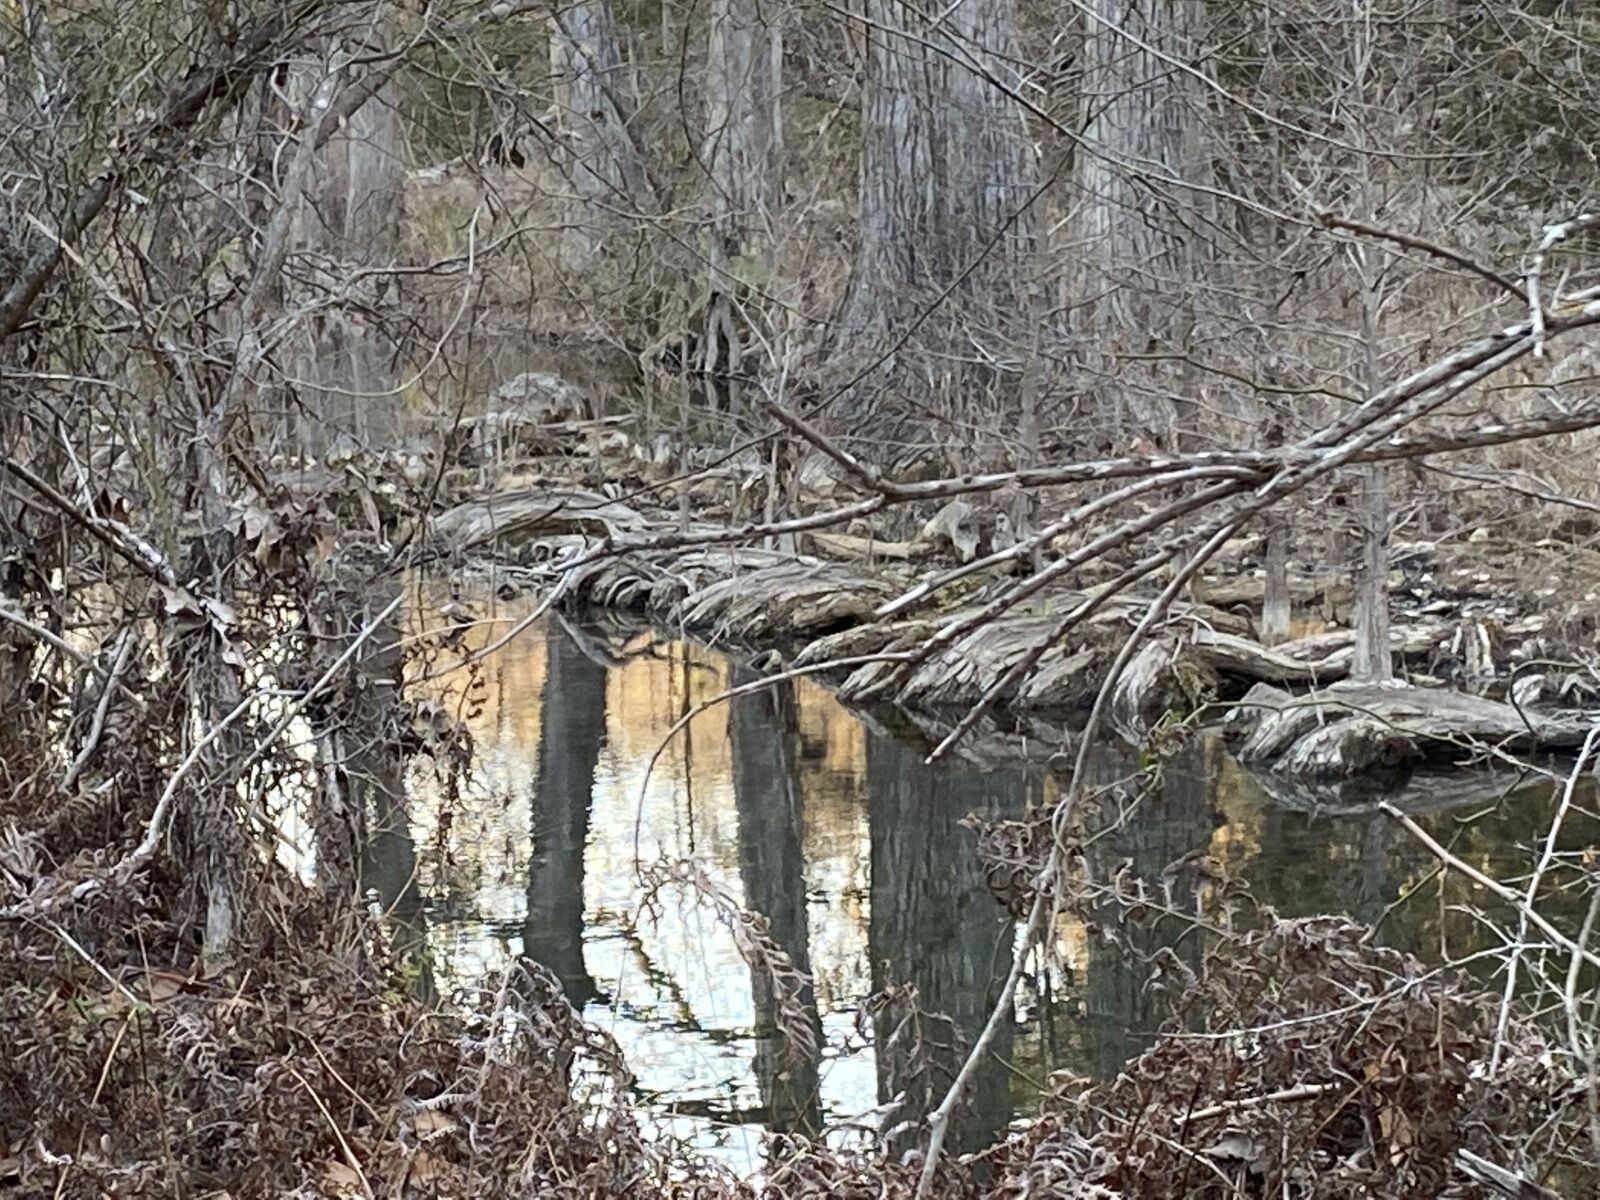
[1237,1145]
[178,602]
[164,985]
[424,1168]
[341,1181]
[430,1124]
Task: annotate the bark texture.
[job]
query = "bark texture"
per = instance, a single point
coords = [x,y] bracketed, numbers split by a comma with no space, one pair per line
[744,159]
[947,173]
[1146,166]
[593,117]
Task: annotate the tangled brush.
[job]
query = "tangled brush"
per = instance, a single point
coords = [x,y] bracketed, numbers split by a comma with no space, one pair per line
[1306,1062]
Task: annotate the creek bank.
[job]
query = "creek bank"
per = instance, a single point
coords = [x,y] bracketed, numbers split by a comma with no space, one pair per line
[1290,705]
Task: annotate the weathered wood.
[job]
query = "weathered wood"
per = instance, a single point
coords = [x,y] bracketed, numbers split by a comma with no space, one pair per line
[512,517]
[1252,590]
[1346,729]
[1321,658]
[797,599]
[1164,677]
[852,546]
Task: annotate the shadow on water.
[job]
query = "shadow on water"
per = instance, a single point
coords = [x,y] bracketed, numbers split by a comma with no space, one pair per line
[852,847]
[763,739]
[572,730]
[935,927]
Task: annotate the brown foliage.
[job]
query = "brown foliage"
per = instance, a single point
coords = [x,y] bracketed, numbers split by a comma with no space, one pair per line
[1307,1062]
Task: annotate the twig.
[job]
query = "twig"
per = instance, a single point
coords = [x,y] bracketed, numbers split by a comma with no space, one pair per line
[1303,1091]
[1552,235]
[344,1146]
[112,534]
[1507,1183]
[113,681]
[1412,242]
[315,689]
[1484,881]
[1584,1049]
[1545,858]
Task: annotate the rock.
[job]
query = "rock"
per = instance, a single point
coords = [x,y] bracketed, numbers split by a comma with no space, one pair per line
[956,524]
[541,396]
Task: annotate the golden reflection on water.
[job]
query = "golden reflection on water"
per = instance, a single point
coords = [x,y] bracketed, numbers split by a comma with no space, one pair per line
[675,969]
[669,984]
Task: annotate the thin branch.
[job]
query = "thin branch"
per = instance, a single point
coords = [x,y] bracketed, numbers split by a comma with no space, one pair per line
[1412,242]
[1494,885]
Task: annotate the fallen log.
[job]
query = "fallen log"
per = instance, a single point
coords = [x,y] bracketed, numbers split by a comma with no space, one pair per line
[1346,729]
[1319,659]
[853,546]
[511,518]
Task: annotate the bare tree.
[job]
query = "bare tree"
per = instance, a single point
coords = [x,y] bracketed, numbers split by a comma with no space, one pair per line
[1146,215]
[595,119]
[744,162]
[945,222]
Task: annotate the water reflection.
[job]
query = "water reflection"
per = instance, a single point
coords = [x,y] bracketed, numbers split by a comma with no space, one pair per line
[572,730]
[935,927]
[1145,842]
[762,735]
[835,829]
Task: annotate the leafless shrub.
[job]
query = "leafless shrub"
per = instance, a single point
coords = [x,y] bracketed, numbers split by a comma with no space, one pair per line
[753,941]
[1306,1061]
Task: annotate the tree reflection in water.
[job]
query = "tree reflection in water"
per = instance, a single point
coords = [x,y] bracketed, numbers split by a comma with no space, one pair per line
[763,733]
[853,849]
[935,926]
[572,731]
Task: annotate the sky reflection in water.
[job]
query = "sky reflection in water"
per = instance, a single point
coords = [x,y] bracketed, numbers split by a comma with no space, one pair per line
[836,831]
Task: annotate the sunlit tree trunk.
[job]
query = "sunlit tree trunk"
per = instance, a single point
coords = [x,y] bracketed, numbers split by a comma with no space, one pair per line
[947,175]
[744,158]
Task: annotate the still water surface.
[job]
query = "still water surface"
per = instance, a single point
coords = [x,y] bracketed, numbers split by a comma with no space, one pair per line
[832,826]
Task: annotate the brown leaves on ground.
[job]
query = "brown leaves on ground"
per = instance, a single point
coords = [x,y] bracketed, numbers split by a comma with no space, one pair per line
[1304,1061]
[1301,1062]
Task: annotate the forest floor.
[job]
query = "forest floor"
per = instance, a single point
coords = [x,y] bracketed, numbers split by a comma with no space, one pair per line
[304,1066]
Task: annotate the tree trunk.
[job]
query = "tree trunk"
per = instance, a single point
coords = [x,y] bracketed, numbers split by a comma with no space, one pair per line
[947,176]
[592,116]
[1373,661]
[744,158]
[1146,164]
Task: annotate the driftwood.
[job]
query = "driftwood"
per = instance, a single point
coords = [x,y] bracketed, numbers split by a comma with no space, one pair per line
[724,592]
[1347,729]
[1319,659]
[740,593]
[513,518]
[1303,590]
[853,546]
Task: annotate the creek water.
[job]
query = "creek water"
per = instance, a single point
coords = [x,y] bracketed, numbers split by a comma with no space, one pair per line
[831,825]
